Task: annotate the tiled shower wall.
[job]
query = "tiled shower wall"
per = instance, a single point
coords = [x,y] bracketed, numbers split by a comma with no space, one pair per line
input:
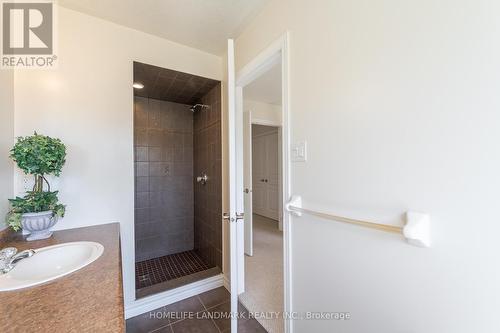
[163,147]
[208,198]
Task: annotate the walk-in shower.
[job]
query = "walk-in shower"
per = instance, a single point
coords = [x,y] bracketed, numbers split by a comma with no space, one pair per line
[177,146]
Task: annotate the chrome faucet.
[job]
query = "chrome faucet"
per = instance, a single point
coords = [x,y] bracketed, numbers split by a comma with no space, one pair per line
[202,179]
[9,258]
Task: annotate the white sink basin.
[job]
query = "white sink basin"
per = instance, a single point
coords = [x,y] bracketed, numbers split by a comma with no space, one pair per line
[49,263]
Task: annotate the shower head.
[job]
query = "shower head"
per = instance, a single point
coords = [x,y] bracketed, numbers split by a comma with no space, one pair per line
[197,107]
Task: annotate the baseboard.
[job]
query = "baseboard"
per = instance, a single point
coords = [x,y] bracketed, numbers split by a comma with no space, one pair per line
[153,302]
[267,216]
[227,284]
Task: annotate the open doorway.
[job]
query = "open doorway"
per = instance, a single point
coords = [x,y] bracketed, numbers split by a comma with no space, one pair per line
[262,114]
[178,195]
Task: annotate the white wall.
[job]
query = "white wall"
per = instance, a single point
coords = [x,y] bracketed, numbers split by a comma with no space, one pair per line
[88,103]
[398,101]
[6,140]
[263,112]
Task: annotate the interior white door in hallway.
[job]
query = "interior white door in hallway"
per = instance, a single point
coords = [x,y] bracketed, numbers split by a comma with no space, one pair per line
[266,173]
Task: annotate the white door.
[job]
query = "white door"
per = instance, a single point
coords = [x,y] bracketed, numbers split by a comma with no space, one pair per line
[273,175]
[236,207]
[259,193]
[266,174]
[247,165]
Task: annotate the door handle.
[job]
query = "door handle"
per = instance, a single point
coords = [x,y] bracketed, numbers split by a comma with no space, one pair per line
[239,216]
[247,190]
[262,180]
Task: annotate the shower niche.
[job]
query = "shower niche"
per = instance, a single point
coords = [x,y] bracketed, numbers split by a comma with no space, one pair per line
[178,178]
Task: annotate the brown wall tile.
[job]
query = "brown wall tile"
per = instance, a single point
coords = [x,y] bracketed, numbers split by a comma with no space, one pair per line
[164,204]
[208,198]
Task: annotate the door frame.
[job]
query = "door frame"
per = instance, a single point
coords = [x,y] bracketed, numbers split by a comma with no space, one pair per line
[248,181]
[272,55]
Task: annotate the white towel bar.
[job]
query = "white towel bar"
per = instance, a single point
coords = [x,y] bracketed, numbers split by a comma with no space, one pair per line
[416,230]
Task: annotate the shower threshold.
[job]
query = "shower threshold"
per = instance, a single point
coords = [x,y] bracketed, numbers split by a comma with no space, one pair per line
[156,275]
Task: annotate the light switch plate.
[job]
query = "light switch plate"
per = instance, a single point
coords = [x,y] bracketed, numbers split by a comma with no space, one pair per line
[299,151]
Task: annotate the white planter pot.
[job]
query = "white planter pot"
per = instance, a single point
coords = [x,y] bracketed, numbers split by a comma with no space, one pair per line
[38,224]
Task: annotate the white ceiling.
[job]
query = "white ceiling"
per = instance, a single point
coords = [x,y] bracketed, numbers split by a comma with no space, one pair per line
[202,24]
[266,88]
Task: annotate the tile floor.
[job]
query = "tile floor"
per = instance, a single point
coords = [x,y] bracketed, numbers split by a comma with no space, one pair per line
[200,314]
[161,269]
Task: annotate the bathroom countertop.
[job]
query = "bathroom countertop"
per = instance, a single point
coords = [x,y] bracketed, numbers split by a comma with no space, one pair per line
[88,300]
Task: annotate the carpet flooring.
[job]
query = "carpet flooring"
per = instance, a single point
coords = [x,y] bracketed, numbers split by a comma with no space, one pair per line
[264,273]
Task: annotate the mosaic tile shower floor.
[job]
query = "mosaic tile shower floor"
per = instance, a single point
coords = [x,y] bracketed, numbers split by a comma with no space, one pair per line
[157,270]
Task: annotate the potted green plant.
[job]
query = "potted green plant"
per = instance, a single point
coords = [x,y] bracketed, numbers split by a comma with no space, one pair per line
[38,210]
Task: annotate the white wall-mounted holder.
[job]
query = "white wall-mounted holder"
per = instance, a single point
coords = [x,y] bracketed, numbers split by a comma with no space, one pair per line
[294,202]
[416,230]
